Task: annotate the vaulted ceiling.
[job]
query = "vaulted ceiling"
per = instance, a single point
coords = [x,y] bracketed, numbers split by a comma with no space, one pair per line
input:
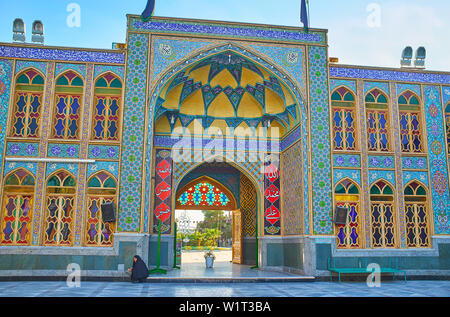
[226,90]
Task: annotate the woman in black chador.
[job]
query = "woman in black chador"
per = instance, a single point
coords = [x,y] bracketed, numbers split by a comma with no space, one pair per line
[139,271]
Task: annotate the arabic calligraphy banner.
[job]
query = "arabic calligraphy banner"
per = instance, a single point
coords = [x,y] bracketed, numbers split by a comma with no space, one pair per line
[163,191]
[272,214]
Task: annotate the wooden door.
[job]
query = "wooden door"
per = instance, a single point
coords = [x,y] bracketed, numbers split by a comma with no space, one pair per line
[237,237]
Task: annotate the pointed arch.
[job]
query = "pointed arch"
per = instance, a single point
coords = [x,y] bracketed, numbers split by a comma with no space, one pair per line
[107,107]
[410,119]
[344,126]
[347,195]
[28,99]
[416,215]
[378,121]
[382,214]
[69,89]
[205,193]
[59,206]
[17,210]
[101,189]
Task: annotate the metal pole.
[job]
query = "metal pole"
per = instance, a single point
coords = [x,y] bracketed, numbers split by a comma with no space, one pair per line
[158,259]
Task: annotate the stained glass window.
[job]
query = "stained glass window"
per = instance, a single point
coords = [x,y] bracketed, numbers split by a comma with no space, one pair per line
[18,202]
[410,123]
[347,196]
[344,119]
[68,102]
[101,189]
[60,204]
[416,216]
[378,126]
[204,195]
[26,115]
[382,215]
[107,104]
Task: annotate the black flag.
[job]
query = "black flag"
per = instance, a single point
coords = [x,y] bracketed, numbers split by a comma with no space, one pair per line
[148,11]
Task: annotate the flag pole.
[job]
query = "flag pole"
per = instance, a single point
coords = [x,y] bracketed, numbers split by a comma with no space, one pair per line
[309,16]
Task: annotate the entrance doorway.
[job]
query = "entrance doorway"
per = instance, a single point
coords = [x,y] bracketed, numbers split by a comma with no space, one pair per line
[216,208]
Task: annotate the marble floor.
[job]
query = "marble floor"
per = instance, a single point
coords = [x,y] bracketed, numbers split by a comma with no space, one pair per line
[226,290]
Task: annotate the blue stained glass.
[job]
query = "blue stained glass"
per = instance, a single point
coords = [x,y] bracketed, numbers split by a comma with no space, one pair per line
[8,231]
[371,121]
[337,119]
[197,197]
[353,214]
[183,198]
[75,106]
[349,119]
[354,236]
[61,105]
[98,129]
[404,122]
[416,142]
[384,141]
[21,103]
[210,198]
[59,127]
[114,107]
[94,209]
[388,213]
[341,236]
[100,107]
[35,104]
[382,121]
[112,129]
[350,140]
[338,139]
[415,123]
[389,236]
[19,125]
[33,126]
[73,128]
[405,142]
[372,140]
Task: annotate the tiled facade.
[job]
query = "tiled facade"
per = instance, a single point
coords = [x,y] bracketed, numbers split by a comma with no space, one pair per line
[309,164]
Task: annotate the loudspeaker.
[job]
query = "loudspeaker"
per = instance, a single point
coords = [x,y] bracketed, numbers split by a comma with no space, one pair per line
[340,215]
[108,212]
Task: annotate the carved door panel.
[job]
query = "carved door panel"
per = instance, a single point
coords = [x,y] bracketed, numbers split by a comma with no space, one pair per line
[237,237]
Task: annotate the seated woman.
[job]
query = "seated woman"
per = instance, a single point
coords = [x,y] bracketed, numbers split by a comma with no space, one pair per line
[139,271]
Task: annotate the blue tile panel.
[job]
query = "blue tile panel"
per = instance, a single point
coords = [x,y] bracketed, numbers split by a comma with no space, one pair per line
[392,75]
[227,30]
[62,54]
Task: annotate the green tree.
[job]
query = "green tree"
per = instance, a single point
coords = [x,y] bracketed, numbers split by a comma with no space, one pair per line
[216,219]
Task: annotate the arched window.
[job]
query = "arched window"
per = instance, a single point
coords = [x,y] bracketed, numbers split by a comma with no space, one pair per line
[344,120]
[18,203]
[447,119]
[26,115]
[207,194]
[416,216]
[382,215]
[377,116]
[68,102]
[107,104]
[60,203]
[102,189]
[347,196]
[410,123]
